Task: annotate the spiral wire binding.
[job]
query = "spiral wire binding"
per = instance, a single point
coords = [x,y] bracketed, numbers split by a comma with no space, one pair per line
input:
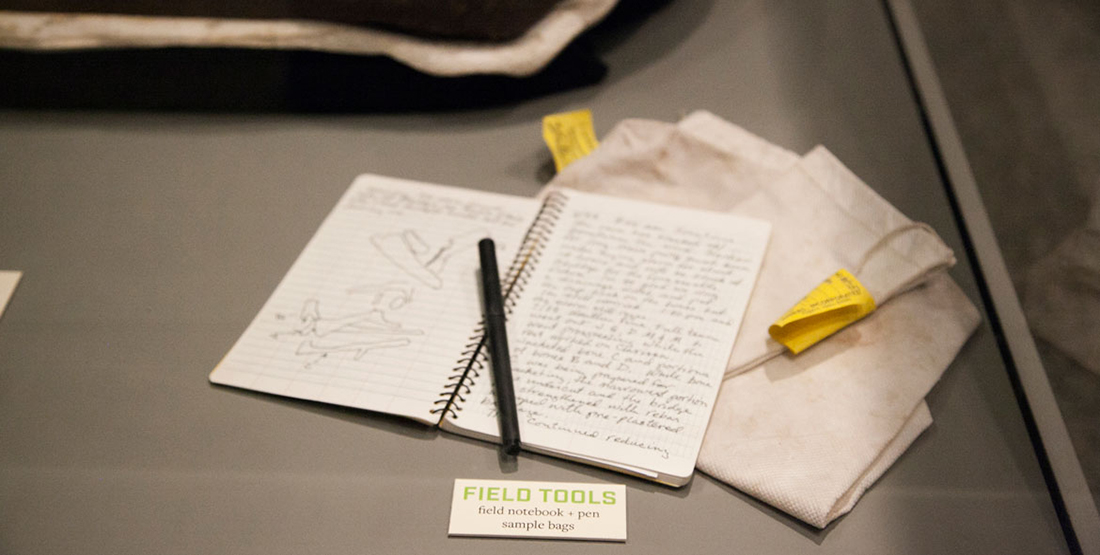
[473,360]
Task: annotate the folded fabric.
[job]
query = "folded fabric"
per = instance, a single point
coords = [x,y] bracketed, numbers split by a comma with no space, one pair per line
[807,434]
[520,57]
[476,20]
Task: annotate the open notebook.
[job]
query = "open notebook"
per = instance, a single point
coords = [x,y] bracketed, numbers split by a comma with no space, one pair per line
[621,316]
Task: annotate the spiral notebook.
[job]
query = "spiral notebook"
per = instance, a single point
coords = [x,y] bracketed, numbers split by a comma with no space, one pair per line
[621,317]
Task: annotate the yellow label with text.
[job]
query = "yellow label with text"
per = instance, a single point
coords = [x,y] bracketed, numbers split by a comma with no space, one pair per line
[837,302]
[570,136]
[548,510]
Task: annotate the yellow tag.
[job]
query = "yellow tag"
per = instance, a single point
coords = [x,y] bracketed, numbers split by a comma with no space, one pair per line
[837,302]
[570,136]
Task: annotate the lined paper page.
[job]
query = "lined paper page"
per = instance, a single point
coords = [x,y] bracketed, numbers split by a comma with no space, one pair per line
[375,312]
[620,339]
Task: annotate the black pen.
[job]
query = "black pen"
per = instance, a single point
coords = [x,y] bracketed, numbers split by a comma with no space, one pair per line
[498,347]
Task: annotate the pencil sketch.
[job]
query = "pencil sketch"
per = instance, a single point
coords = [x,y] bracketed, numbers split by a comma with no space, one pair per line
[358,333]
[419,260]
[392,295]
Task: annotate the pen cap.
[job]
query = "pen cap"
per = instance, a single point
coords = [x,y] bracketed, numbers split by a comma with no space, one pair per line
[490,277]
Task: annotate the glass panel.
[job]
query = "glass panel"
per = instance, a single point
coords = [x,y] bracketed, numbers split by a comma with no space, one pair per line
[1022,82]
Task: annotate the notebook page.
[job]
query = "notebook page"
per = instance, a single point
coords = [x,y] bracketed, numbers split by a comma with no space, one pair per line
[620,338]
[376,311]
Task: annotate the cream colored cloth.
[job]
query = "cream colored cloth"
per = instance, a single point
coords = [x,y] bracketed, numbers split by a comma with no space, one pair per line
[523,56]
[807,434]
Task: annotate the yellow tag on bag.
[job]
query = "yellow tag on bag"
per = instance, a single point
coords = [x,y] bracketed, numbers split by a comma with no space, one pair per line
[570,136]
[837,302]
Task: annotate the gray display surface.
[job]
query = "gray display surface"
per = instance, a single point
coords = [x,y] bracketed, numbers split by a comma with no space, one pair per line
[148,242]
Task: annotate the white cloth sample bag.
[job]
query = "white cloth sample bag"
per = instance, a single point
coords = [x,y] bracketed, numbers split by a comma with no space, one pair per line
[806,434]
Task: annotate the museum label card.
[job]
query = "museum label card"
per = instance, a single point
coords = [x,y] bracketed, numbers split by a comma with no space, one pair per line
[8,281]
[547,510]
